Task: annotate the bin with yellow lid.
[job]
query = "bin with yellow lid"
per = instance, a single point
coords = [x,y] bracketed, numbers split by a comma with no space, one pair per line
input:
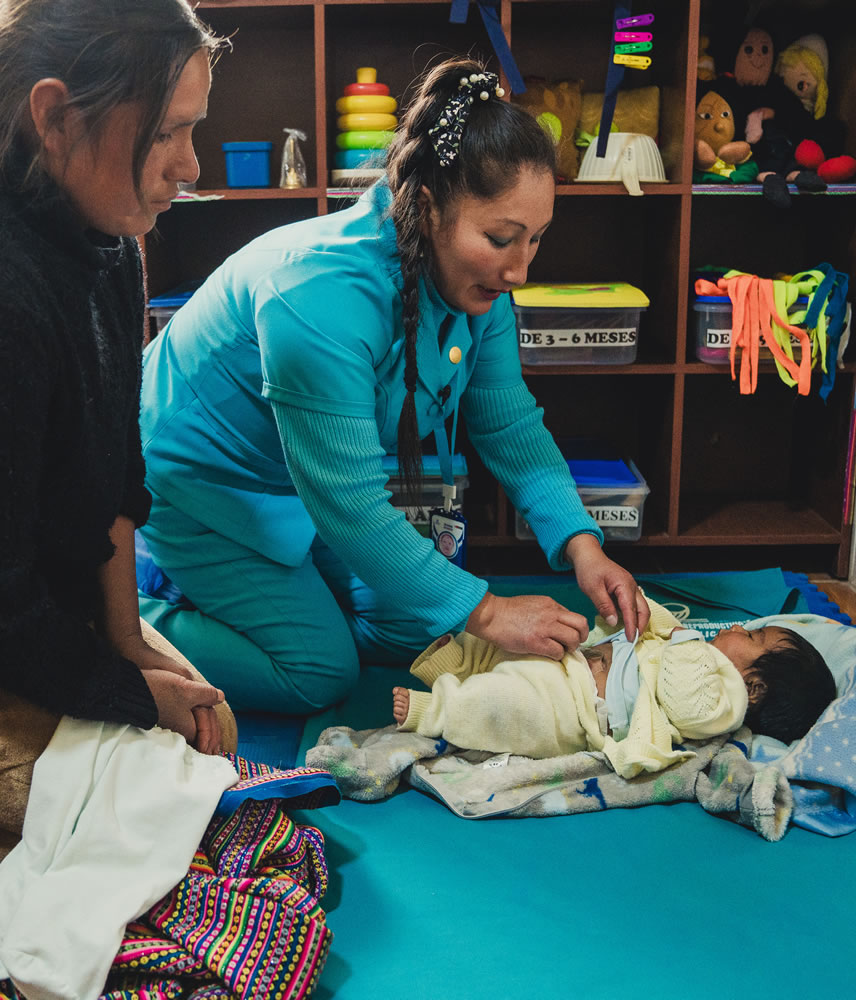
[578,324]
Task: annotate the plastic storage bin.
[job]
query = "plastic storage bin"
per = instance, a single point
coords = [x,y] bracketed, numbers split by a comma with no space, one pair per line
[163,307]
[432,488]
[713,328]
[247,164]
[612,491]
[578,324]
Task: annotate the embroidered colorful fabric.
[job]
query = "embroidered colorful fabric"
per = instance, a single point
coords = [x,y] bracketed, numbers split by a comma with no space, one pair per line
[245,923]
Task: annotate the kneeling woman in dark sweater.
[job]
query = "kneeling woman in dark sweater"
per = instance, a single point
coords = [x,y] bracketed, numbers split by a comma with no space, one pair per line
[97,106]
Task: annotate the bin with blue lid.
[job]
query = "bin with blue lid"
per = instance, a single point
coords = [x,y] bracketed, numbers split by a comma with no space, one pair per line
[163,307]
[612,490]
[713,323]
[432,488]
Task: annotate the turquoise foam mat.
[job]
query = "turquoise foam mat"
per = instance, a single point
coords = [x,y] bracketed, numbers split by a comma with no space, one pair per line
[627,903]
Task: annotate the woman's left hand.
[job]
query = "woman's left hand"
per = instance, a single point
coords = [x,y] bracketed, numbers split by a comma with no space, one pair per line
[607,584]
[136,649]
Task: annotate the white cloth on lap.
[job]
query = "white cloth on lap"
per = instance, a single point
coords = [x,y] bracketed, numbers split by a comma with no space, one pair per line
[114,817]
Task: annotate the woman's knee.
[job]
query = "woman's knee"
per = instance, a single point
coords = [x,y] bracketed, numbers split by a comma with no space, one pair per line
[311,684]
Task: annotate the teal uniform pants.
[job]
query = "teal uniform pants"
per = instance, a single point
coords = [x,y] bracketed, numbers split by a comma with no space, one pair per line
[276,638]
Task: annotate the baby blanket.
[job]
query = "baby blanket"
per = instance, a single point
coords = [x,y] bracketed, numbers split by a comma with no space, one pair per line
[370,764]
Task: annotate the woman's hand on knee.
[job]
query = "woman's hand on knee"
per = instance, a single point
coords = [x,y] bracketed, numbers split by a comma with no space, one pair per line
[528,624]
[136,649]
[186,707]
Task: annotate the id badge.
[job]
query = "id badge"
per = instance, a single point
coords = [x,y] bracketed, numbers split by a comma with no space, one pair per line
[449,534]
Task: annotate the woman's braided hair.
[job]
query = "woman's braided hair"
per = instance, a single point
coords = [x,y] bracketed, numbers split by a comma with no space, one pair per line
[498,141]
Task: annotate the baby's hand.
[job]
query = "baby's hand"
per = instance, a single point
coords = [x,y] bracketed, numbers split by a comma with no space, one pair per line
[400,704]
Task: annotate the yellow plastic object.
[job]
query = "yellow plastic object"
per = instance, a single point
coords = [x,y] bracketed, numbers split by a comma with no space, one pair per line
[362,104]
[369,122]
[634,62]
[364,140]
[610,295]
[366,74]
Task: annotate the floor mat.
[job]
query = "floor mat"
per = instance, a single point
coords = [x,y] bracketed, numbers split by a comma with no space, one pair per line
[631,903]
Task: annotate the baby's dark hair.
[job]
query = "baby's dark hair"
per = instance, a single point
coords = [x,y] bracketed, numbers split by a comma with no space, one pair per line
[799,687]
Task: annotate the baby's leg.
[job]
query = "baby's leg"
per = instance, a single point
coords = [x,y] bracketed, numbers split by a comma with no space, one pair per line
[400,704]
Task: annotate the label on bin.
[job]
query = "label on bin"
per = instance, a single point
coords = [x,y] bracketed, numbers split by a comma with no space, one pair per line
[625,515]
[624,336]
[719,337]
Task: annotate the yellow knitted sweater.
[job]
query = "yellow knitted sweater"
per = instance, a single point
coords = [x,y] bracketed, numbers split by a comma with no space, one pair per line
[483,697]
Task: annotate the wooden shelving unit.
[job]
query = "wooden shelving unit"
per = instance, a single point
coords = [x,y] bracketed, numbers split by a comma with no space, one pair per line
[736,482]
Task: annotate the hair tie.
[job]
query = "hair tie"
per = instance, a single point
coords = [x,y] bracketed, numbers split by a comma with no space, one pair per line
[446,134]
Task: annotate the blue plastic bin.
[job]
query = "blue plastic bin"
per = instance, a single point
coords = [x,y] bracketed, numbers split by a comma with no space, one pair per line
[247,164]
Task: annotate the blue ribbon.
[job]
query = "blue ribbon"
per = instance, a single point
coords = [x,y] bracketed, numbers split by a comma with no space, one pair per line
[490,17]
[614,76]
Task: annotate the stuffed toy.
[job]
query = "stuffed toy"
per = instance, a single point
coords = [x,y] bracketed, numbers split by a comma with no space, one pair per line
[706,66]
[790,137]
[719,157]
[636,110]
[803,68]
[556,107]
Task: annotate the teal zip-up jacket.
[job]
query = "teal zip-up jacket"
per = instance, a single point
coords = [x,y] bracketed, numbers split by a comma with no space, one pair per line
[271,398]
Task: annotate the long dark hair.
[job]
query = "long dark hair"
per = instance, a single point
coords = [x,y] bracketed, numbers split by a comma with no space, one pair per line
[498,140]
[107,52]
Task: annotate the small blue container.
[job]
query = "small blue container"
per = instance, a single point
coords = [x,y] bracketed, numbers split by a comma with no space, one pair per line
[247,164]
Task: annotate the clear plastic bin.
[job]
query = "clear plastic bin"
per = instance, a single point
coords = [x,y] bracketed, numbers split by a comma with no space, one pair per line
[613,492]
[432,488]
[713,329]
[163,307]
[578,324]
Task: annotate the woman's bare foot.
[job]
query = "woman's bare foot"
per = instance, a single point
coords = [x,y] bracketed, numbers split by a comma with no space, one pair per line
[400,704]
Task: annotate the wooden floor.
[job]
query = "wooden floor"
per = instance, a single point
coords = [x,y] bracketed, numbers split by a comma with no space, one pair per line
[839,591]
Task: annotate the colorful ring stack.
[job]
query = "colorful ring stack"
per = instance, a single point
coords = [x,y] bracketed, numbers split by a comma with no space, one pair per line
[366,125]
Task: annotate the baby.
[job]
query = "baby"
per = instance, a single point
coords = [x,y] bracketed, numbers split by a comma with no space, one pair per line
[632,701]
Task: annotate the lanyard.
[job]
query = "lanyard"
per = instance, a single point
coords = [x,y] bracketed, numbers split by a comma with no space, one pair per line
[444,455]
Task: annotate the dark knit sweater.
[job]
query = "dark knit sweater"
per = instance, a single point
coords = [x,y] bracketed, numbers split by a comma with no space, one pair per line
[71,322]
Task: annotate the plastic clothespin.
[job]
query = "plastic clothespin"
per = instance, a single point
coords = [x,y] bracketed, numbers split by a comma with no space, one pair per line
[636,21]
[633,36]
[633,47]
[634,62]
[449,494]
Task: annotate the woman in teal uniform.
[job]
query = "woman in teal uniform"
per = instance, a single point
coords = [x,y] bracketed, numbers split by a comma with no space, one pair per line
[272,397]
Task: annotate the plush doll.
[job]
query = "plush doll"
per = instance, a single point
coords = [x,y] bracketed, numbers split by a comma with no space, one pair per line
[719,157]
[556,107]
[803,68]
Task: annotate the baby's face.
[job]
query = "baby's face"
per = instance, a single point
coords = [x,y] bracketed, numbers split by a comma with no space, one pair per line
[744,646]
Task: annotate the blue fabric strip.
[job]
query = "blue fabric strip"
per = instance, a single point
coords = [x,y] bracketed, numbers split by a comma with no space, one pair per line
[490,16]
[614,76]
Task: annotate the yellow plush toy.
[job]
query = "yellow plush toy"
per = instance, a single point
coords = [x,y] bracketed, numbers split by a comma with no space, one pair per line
[636,110]
[556,107]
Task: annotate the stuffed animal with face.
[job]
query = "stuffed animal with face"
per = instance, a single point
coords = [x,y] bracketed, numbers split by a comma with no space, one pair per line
[719,156]
[818,138]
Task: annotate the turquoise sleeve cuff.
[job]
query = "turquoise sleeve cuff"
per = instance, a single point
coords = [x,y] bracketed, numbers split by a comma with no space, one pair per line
[335,463]
[508,431]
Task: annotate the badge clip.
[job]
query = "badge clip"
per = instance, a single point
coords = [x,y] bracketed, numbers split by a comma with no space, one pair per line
[634,62]
[636,21]
[633,36]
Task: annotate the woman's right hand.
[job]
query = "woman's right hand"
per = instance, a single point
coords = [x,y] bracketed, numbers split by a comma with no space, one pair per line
[177,700]
[528,624]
